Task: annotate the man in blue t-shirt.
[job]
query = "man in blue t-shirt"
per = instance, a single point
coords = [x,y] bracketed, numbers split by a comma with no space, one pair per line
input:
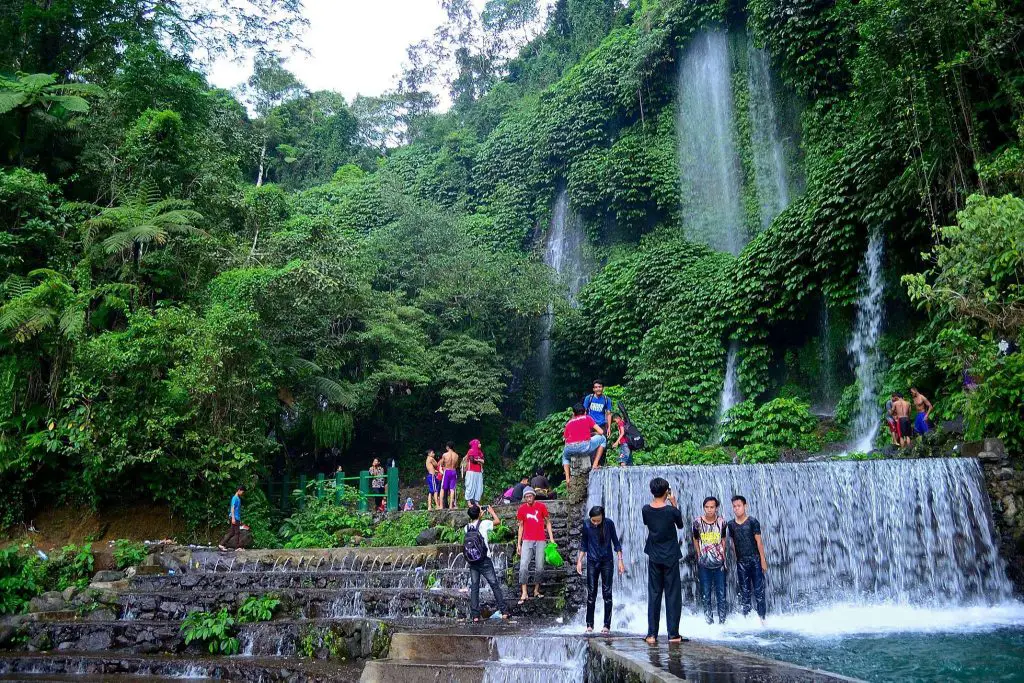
[233,538]
[599,408]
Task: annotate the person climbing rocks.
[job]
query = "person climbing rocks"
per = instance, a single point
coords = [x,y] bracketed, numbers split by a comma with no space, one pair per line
[751,565]
[517,490]
[901,411]
[599,408]
[233,538]
[474,465]
[709,544]
[621,441]
[533,520]
[449,476]
[541,486]
[378,485]
[662,518]
[599,544]
[483,567]
[433,482]
[924,411]
[582,436]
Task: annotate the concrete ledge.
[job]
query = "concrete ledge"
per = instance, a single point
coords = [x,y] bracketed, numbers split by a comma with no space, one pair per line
[620,660]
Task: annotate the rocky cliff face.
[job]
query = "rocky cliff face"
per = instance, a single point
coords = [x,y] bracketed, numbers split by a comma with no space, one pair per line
[1005,483]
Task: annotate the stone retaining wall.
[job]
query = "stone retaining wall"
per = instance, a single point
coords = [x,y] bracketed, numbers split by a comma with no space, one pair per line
[1005,484]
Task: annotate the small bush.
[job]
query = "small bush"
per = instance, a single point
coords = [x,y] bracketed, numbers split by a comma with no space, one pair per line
[214,630]
[258,608]
[318,524]
[129,553]
[758,453]
[400,532]
[686,453]
[780,423]
[20,580]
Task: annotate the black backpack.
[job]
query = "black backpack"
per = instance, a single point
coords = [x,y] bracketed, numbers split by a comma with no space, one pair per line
[633,436]
[474,548]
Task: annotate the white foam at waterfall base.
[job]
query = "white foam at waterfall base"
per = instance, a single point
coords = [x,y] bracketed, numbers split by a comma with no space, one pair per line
[861,547]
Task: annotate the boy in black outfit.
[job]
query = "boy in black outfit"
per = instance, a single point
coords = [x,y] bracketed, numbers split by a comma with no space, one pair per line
[662,517]
[751,565]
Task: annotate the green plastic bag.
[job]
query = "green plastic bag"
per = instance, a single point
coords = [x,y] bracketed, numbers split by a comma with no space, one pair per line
[551,555]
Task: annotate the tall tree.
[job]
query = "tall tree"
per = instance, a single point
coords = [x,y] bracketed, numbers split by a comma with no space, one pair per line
[269,86]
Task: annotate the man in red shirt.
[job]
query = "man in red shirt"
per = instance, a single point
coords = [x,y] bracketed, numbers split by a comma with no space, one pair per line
[582,435]
[533,519]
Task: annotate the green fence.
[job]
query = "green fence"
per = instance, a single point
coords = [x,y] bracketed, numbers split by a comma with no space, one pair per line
[280,492]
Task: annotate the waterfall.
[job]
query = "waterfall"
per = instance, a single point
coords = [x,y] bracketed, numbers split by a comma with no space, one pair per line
[730,388]
[770,172]
[564,252]
[828,383]
[708,157]
[838,535]
[863,346]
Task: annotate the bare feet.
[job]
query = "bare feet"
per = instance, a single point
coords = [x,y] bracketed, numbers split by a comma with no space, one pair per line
[222,548]
[651,640]
[606,631]
[676,640]
[590,629]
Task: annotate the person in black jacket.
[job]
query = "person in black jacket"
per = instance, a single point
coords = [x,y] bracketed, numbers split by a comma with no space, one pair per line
[598,543]
[662,517]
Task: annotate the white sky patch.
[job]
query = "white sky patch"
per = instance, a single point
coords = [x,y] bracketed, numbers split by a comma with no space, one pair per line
[356,47]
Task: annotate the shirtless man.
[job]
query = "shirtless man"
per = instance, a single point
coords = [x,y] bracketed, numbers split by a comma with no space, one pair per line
[901,411]
[433,482]
[924,411]
[449,475]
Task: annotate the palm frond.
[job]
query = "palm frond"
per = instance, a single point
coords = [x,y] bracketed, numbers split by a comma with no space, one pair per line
[334,392]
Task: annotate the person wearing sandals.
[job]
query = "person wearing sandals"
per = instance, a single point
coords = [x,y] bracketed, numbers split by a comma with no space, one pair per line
[662,518]
[533,520]
[599,543]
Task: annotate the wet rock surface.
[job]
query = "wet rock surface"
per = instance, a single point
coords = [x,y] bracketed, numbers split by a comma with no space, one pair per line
[1005,483]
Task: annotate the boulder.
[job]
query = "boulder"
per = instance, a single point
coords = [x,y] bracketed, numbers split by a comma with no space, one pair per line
[427,537]
[52,601]
[95,641]
[107,576]
[990,457]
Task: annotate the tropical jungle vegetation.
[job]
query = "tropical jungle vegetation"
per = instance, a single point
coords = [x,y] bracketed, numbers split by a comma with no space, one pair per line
[203,286]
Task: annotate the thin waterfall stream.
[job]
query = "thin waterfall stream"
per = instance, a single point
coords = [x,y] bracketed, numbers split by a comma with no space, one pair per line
[863,347]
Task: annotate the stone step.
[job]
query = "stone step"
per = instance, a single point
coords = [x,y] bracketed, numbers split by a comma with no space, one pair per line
[326,638]
[415,646]
[389,671]
[140,668]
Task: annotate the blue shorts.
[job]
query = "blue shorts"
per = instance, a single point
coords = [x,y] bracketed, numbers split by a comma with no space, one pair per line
[433,484]
[625,454]
[921,424]
[582,447]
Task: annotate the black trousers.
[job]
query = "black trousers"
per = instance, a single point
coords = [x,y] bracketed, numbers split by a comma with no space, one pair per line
[663,579]
[233,538]
[602,571]
[751,580]
[484,568]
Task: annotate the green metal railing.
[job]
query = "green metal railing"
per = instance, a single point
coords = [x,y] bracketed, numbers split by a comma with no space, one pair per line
[280,491]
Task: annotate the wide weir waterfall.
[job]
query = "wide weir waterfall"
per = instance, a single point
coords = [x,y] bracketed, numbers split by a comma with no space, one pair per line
[708,156]
[840,537]
[565,252]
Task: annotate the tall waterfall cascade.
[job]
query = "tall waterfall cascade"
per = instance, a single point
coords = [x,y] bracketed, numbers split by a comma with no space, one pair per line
[771,172]
[708,156]
[731,387]
[565,252]
[863,346]
[882,532]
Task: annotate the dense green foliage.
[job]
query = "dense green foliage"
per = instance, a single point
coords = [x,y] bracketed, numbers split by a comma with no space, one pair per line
[198,293]
[214,630]
[25,574]
[128,553]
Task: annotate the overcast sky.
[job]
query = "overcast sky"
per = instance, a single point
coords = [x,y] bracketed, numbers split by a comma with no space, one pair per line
[355,46]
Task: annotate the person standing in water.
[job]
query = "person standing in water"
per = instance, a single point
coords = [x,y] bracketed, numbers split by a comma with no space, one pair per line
[599,543]
[449,475]
[662,517]
[474,473]
[751,565]
[709,543]
[924,411]
[433,483]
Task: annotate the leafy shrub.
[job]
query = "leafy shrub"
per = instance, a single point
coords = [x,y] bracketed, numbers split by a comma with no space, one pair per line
[20,579]
[780,423]
[686,453]
[214,630]
[450,534]
[73,567]
[317,525]
[757,453]
[543,447]
[128,553]
[402,531]
[258,608]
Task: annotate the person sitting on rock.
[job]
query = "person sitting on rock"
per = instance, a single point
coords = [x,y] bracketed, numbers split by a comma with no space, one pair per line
[582,436]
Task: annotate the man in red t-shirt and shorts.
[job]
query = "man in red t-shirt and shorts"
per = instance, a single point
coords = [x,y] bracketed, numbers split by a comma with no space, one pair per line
[582,435]
[533,520]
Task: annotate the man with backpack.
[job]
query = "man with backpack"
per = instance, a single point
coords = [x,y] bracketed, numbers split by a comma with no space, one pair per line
[476,550]
[599,408]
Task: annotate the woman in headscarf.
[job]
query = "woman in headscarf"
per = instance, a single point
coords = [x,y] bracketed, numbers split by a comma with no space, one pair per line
[474,473]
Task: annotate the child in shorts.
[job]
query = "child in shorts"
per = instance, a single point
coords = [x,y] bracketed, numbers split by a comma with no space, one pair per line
[622,443]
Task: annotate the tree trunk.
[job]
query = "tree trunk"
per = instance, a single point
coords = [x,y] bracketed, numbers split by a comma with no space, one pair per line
[263,158]
[22,134]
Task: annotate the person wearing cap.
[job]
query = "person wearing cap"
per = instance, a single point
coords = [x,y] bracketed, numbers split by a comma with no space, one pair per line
[533,520]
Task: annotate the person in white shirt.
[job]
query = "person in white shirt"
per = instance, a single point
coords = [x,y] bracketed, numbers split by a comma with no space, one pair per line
[483,566]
